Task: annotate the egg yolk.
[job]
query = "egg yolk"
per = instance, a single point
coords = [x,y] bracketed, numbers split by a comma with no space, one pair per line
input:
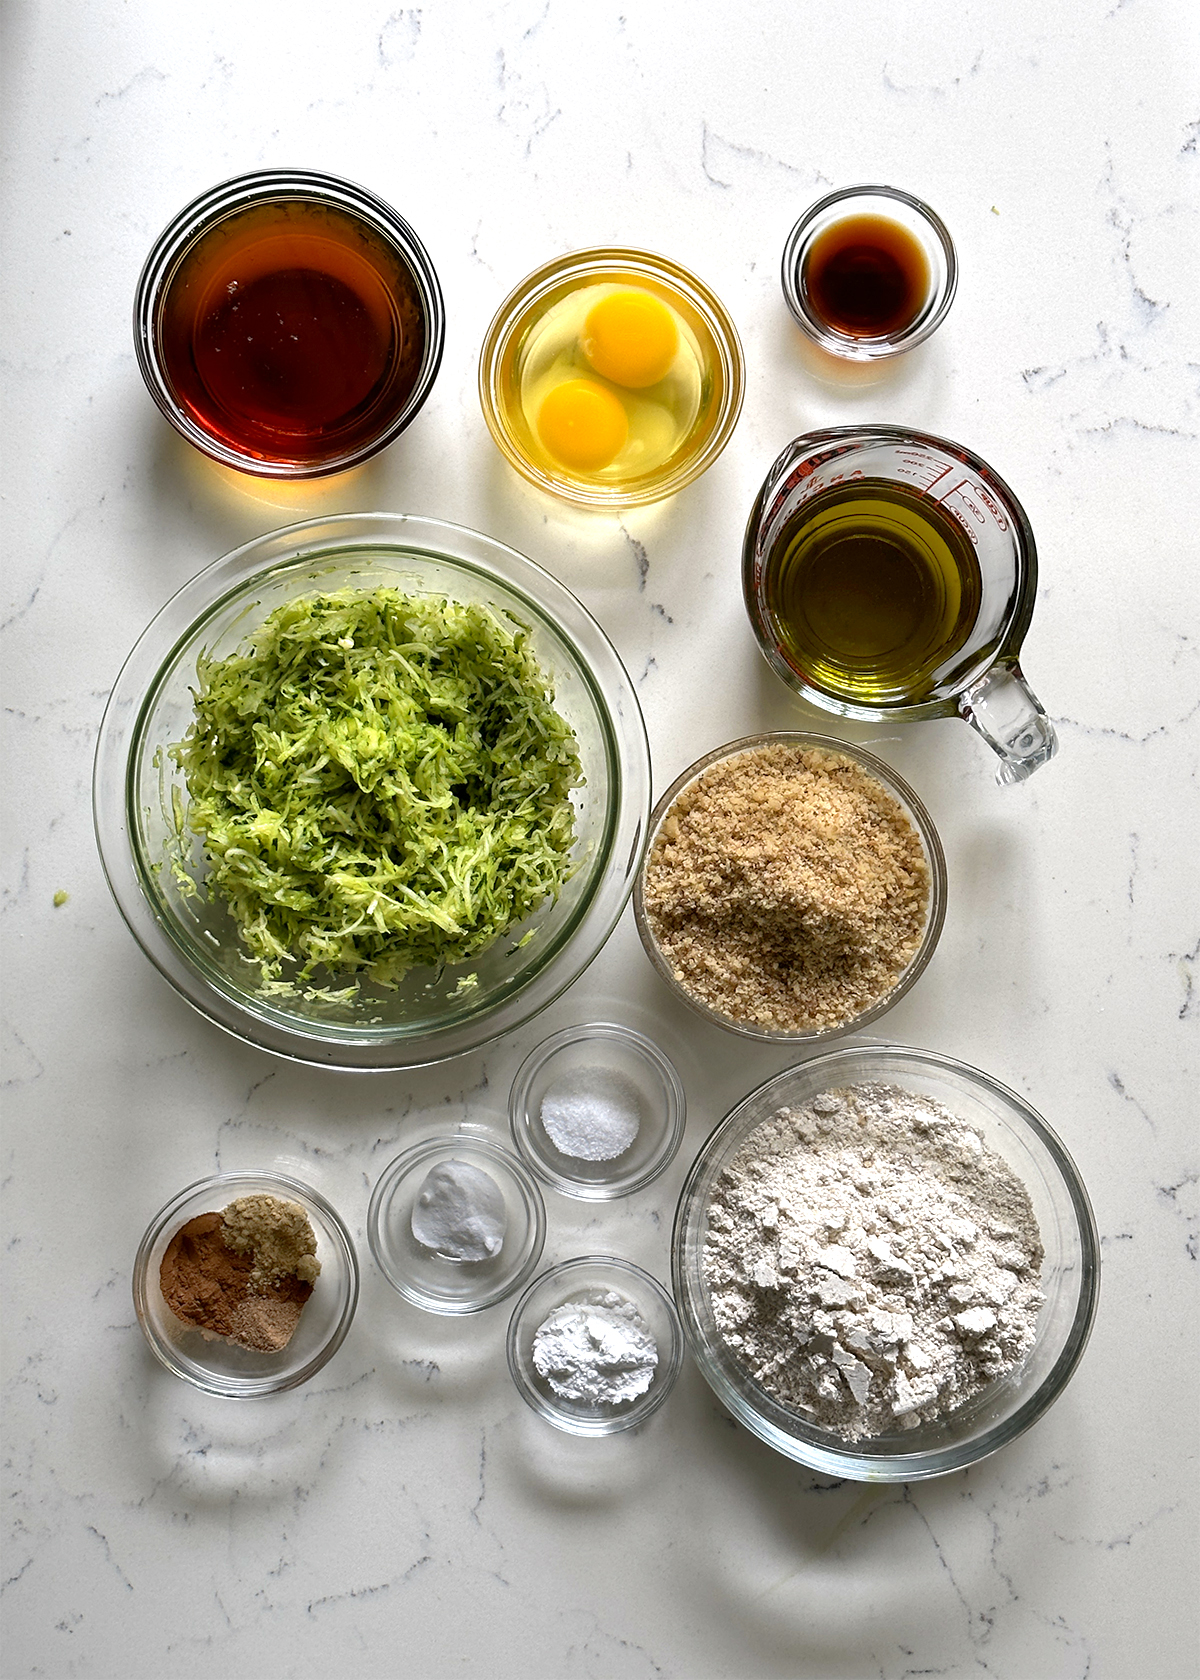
[582,425]
[630,338]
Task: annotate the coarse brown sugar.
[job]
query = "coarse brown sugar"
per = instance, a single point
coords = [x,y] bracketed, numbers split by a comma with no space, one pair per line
[787,888]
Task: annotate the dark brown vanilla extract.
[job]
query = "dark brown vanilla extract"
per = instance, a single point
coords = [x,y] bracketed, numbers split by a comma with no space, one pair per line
[293,333]
[866,276]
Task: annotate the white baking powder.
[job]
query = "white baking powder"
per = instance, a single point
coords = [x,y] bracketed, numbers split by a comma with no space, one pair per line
[596,1348]
[871,1262]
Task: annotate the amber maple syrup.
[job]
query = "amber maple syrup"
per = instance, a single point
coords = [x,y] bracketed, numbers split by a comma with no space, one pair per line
[866,276]
[293,333]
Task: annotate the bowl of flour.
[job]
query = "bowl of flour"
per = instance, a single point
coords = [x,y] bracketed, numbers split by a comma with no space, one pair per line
[886,1263]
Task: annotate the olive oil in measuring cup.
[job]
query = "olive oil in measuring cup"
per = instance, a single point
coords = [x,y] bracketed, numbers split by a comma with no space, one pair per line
[871,589]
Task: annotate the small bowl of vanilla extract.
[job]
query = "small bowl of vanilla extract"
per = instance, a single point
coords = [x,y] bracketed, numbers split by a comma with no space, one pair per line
[869,272]
[289,324]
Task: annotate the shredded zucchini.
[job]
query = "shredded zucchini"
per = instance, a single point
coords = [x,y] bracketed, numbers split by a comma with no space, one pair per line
[379,781]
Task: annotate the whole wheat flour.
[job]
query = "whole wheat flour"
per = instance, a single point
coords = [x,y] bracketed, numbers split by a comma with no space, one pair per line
[871,1262]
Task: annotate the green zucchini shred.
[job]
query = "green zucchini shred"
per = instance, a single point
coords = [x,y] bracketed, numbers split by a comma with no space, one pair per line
[379,782]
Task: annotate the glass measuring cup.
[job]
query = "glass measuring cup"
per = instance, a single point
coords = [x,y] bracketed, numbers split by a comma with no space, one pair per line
[939,487]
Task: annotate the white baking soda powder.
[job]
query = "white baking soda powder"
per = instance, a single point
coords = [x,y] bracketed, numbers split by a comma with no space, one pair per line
[459,1212]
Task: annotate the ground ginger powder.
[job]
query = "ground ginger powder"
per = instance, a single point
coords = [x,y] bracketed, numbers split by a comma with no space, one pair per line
[277,1236]
[787,888]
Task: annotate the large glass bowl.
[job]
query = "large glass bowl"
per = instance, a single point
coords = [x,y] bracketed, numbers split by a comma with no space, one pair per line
[194,942]
[1070,1271]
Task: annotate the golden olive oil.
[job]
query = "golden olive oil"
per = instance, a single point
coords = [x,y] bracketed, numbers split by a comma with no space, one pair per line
[870,590]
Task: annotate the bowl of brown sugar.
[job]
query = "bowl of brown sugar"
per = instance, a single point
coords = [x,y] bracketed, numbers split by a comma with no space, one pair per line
[794,887]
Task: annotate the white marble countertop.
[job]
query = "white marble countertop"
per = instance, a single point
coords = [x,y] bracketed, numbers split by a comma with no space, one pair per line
[405,1513]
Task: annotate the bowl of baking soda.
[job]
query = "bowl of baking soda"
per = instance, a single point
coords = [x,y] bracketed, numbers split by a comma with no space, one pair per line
[886,1263]
[595,1345]
[597,1111]
[456,1223]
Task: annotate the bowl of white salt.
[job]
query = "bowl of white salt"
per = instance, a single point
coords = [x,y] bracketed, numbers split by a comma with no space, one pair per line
[597,1111]
[886,1263]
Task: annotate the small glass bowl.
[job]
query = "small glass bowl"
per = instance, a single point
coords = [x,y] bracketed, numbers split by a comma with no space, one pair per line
[600,1052]
[1070,1270]
[431,1280]
[892,205]
[586,1279]
[212,1363]
[239,217]
[717,347]
[935,860]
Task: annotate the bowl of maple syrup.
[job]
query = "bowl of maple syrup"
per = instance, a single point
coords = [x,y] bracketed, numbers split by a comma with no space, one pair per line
[289,324]
[869,272]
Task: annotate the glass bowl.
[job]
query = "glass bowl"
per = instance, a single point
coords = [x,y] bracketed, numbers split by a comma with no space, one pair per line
[711,402]
[435,1013]
[368,317]
[1070,1273]
[591,1058]
[212,1363]
[437,1282]
[935,861]
[887,204]
[587,1280]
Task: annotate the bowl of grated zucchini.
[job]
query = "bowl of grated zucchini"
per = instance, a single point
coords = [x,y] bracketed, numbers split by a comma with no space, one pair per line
[372,791]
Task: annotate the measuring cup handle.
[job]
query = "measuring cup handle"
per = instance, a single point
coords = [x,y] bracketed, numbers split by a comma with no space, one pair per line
[1010,717]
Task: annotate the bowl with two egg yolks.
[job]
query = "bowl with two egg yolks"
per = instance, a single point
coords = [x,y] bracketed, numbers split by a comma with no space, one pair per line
[611,377]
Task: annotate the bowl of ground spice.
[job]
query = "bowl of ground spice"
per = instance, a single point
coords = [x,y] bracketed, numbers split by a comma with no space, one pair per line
[246,1284]
[886,1263]
[794,887]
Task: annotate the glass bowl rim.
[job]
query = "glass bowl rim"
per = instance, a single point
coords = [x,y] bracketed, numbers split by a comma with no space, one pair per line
[596,260]
[595,1190]
[935,857]
[832,1456]
[479,1138]
[296,1190]
[550,603]
[241,192]
[882,345]
[641,1408]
